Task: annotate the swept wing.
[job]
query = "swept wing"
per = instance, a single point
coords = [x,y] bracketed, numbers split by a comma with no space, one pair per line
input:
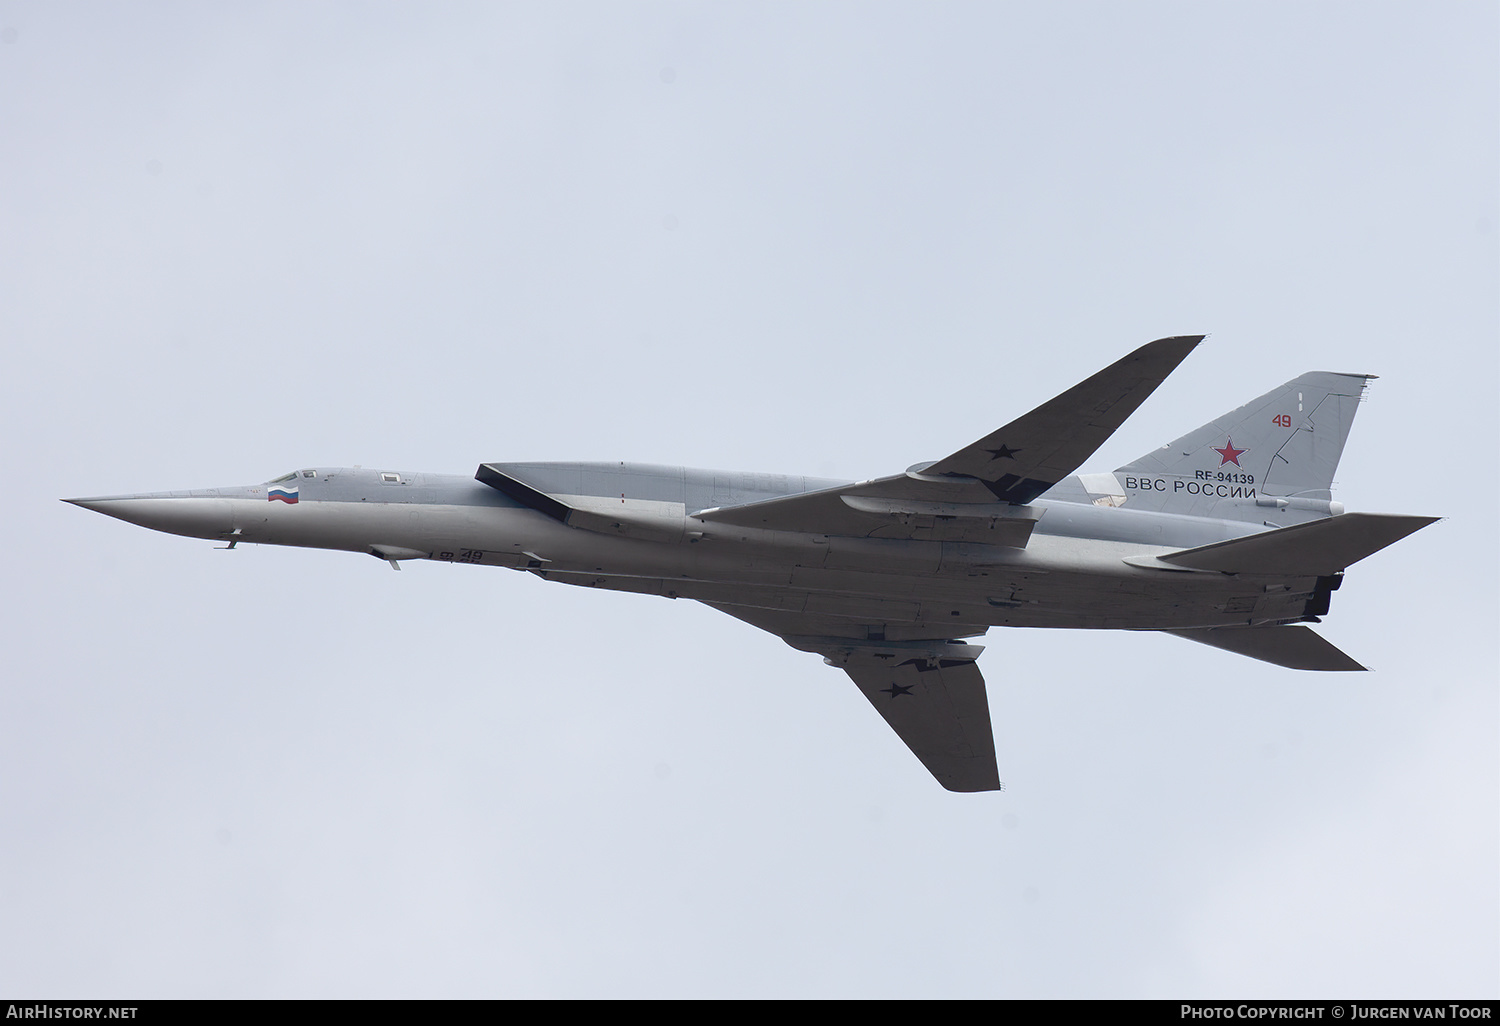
[981,492]
[929,690]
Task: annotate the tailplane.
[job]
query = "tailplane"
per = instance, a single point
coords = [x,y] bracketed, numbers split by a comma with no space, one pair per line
[1296,648]
[1272,460]
[1315,549]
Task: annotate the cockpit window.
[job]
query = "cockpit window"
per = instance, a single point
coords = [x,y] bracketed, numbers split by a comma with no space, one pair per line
[284,477]
[309,473]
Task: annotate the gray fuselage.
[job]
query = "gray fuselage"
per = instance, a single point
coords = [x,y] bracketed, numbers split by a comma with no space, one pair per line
[1071,573]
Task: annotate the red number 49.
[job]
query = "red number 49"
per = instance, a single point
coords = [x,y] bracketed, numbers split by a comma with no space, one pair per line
[1282,420]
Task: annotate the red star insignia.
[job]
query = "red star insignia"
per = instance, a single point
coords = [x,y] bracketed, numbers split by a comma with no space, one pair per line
[1229,454]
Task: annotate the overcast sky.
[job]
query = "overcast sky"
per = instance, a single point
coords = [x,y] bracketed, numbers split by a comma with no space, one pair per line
[830,239]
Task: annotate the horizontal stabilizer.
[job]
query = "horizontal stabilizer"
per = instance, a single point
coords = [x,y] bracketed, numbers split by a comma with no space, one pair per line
[1296,648]
[1314,549]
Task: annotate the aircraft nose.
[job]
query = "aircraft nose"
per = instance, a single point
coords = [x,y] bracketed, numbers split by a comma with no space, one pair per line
[196,516]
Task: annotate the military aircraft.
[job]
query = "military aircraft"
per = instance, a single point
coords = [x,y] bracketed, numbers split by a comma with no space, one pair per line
[1228,536]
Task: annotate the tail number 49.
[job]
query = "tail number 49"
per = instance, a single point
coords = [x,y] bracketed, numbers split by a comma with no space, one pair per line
[1282,420]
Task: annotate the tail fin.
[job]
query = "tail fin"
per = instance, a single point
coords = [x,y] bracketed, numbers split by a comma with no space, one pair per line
[1271,460]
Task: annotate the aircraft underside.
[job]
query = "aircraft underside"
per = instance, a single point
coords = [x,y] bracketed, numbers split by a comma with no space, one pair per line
[991,599]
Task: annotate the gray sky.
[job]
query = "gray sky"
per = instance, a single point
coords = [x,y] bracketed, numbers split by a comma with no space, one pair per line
[828,239]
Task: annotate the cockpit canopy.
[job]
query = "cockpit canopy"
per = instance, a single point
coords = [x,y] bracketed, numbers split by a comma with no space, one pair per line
[284,478]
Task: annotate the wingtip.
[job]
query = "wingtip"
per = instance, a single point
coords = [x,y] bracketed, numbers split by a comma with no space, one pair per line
[1173,349]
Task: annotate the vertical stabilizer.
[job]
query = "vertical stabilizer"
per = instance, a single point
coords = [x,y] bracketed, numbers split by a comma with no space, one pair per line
[1271,460]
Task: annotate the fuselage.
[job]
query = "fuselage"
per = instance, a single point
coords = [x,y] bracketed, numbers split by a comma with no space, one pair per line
[1071,573]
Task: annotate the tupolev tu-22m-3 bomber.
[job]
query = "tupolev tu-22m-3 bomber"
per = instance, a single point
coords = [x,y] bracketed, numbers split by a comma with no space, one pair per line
[1228,536]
